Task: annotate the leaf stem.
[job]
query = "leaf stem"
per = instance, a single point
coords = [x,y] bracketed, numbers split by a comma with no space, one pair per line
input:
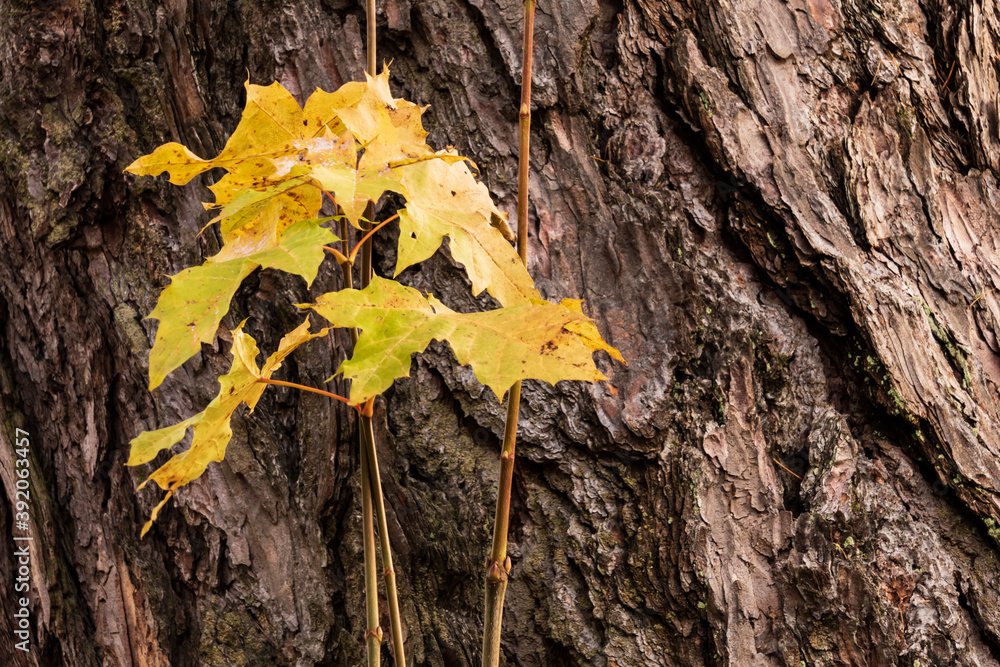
[341,258]
[314,390]
[498,564]
[331,197]
[364,239]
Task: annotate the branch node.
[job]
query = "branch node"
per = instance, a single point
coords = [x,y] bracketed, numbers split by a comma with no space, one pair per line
[494,572]
[340,257]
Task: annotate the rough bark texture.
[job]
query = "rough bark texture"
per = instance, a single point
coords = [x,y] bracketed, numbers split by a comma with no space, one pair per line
[785,215]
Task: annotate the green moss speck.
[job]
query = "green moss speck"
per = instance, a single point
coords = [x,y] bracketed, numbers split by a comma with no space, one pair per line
[705,103]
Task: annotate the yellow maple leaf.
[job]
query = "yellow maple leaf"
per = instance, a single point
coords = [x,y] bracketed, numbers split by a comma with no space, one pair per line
[532,340]
[192,306]
[447,200]
[212,430]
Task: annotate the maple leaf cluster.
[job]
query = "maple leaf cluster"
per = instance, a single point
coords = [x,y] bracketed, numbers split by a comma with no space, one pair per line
[355,144]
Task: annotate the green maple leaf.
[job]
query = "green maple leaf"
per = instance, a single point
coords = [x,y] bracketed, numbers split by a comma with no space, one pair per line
[192,306]
[212,430]
[532,340]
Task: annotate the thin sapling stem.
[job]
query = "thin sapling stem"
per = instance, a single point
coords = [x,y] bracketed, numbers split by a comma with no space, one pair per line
[366,253]
[345,264]
[498,564]
[366,248]
[388,573]
[373,635]
[372,480]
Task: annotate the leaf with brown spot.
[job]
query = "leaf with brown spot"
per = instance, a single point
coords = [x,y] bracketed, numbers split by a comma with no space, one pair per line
[531,340]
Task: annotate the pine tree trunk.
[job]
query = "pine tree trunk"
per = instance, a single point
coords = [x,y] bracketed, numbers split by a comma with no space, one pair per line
[786,215]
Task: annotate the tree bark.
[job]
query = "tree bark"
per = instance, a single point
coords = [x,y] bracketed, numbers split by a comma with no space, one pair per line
[784,214]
